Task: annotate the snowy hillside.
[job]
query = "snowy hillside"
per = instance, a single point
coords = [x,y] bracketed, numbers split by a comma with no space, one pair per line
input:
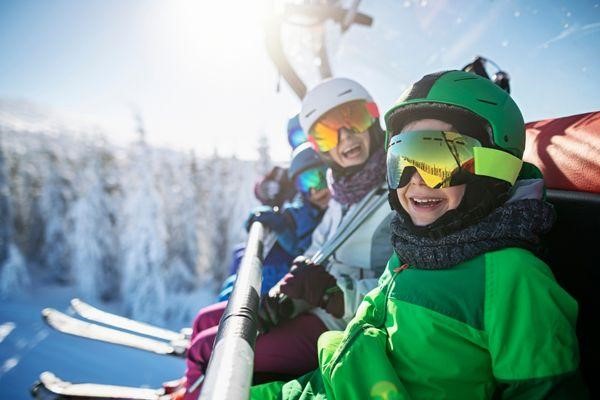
[146,232]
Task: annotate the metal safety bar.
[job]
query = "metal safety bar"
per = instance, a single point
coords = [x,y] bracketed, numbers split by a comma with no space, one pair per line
[229,372]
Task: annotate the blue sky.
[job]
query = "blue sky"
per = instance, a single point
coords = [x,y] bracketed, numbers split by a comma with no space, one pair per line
[200,76]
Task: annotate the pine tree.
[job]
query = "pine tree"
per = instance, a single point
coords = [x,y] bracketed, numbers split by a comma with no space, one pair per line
[181,206]
[143,237]
[218,217]
[229,200]
[92,239]
[13,272]
[5,212]
[55,199]
[264,163]
[24,165]
[200,173]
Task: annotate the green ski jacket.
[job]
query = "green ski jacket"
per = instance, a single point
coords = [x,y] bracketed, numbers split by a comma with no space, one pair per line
[495,326]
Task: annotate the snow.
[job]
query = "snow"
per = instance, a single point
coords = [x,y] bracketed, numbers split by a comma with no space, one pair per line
[28,347]
[141,231]
[13,275]
[141,225]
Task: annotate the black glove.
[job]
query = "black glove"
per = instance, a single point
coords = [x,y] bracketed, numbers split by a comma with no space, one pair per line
[309,282]
[272,310]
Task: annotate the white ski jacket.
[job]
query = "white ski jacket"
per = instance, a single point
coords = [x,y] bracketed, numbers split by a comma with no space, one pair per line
[359,261]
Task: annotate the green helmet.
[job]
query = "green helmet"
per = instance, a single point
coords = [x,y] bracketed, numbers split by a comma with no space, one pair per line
[460,94]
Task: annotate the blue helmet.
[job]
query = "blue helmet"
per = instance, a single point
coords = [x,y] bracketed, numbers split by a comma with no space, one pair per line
[296,135]
[305,158]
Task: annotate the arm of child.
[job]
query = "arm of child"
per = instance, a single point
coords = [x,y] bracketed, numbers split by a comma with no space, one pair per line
[355,365]
[530,321]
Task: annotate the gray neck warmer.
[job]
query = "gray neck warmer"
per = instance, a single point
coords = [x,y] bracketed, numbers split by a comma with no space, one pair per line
[515,224]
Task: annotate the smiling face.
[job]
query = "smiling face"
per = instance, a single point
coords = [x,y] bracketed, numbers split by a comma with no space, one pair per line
[352,148]
[423,204]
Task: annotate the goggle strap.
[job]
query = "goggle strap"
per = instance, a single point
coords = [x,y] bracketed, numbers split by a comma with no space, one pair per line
[497,164]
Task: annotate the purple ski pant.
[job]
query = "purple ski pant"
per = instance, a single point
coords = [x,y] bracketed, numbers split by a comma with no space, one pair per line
[289,348]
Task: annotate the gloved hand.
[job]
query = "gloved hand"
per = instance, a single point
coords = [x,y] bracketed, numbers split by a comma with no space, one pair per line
[268,216]
[272,310]
[309,282]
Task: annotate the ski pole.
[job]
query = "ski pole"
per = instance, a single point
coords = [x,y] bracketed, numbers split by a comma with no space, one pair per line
[341,229]
[331,244]
[367,208]
[232,359]
[371,204]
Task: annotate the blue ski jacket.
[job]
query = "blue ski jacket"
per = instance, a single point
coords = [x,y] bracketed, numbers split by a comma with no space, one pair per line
[293,226]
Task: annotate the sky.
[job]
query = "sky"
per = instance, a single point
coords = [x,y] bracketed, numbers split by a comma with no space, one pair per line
[198,74]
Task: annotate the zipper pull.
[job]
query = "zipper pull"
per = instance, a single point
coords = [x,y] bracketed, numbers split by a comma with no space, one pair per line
[401,268]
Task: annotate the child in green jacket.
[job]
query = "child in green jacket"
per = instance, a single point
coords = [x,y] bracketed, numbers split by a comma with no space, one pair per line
[465,309]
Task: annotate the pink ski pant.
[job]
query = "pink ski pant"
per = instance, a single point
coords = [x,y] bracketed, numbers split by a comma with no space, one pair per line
[289,348]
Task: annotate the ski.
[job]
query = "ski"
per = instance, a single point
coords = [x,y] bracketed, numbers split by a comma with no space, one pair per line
[73,326]
[92,313]
[51,387]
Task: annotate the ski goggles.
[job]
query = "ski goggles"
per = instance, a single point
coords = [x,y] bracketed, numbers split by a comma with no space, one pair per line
[445,159]
[313,178]
[356,116]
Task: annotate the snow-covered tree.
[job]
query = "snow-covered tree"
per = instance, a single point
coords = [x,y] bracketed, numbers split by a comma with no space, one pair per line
[5,212]
[200,173]
[219,215]
[264,163]
[143,238]
[55,199]
[13,272]
[23,159]
[229,199]
[92,239]
[181,205]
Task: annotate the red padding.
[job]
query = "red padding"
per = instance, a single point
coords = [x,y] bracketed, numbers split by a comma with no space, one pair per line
[567,150]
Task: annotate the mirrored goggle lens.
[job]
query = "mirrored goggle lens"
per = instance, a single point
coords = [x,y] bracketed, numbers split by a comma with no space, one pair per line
[441,158]
[297,137]
[313,178]
[356,116]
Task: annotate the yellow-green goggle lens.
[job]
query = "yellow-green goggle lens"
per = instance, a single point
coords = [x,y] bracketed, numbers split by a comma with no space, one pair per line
[439,157]
[356,116]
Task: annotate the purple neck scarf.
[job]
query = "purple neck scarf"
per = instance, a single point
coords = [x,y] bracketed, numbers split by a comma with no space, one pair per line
[349,189]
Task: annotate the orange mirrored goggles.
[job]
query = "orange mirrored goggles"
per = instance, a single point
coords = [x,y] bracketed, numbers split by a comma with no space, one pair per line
[356,116]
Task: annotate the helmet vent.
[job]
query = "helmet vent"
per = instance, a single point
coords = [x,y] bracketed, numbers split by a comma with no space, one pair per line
[345,92]
[311,112]
[488,102]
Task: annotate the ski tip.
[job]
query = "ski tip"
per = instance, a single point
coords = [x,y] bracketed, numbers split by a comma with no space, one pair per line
[186,332]
[48,379]
[47,376]
[47,311]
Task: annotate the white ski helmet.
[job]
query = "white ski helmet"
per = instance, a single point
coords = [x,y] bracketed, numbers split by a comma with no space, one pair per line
[329,94]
